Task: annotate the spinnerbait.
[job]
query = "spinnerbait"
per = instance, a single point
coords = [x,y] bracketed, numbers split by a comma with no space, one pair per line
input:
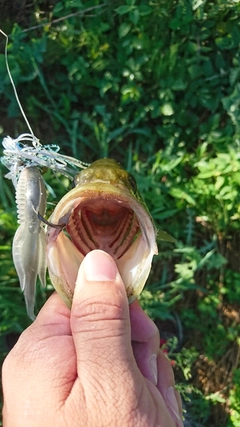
[24,157]
[24,163]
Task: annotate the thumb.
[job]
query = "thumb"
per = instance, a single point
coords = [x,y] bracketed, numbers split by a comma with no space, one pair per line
[100,317]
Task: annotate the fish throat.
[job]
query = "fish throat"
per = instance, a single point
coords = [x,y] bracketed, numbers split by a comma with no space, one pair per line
[107,224]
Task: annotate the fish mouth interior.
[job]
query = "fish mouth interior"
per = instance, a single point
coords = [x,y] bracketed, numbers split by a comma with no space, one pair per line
[107,224]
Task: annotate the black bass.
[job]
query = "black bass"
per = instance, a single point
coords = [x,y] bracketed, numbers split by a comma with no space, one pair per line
[104,211]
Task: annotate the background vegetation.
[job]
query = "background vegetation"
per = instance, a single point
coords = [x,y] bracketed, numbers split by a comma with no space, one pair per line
[156,85]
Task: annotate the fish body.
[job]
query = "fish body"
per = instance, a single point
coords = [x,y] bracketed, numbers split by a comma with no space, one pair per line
[104,211]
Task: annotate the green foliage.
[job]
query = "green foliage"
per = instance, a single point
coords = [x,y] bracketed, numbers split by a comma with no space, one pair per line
[235,400]
[154,85]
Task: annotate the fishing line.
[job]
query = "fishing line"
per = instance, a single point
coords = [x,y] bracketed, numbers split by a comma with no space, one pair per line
[14,87]
[26,150]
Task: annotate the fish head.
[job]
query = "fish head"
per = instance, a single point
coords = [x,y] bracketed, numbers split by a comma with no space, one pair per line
[104,211]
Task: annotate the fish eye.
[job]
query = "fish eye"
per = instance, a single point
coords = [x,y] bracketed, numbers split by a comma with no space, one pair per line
[132,182]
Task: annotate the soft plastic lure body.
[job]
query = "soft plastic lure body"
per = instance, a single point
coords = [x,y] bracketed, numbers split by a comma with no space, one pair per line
[29,243]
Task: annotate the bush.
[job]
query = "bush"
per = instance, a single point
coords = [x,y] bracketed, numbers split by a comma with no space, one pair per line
[154,85]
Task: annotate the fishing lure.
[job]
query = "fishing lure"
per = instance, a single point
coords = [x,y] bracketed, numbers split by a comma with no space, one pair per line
[25,157]
[18,154]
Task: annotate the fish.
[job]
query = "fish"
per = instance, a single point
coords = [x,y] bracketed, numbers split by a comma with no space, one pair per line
[103,211]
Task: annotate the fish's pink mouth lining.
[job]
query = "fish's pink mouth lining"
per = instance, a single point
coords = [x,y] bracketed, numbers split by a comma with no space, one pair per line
[106,224]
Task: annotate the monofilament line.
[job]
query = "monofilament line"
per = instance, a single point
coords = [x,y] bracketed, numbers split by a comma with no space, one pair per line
[13,85]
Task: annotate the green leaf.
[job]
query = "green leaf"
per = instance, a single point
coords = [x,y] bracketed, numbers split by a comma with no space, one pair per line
[163,235]
[181,194]
[122,10]
[167,110]
[144,10]
[134,16]
[195,71]
[124,29]
[219,182]
[58,7]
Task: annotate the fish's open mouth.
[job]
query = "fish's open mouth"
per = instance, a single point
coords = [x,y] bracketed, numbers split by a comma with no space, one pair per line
[107,224]
[100,216]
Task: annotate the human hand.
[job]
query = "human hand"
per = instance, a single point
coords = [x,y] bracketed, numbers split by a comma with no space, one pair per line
[97,365]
